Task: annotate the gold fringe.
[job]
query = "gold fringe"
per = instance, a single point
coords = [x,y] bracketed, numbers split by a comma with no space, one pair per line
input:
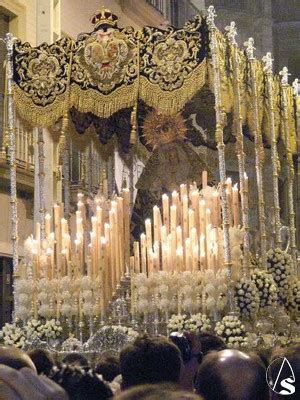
[172,102]
[100,104]
[35,115]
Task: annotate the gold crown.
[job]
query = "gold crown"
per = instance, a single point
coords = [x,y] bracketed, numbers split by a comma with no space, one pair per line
[104,17]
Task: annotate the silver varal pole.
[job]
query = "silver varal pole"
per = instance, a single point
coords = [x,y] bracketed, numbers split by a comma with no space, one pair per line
[220,118]
[259,152]
[238,127]
[268,70]
[290,163]
[41,176]
[9,41]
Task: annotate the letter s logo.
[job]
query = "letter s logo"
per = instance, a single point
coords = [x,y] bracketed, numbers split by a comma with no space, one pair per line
[286,383]
[281,369]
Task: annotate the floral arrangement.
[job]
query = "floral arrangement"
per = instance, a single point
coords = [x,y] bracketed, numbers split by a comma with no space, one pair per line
[232,331]
[46,296]
[143,293]
[166,289]
[23,296]
[215,290]
[122,329]
[13,335]
[52,329]
[266,287]
[177,322]
[33,329]
[189,290]
[90,290]
[67,287]
[196,322]
[247,297]
[16,335]
[279,264]
[293,297]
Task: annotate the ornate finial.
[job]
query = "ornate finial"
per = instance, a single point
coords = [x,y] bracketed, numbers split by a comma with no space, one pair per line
[268,62]
[285,76]
[231,32]
[211,15]
[296,87]
[250,48]
[104,17]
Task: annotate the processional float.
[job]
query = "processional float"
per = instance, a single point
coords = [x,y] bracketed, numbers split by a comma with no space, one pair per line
[195,253]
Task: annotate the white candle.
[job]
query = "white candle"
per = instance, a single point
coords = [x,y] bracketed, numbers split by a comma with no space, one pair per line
[165,202]
[47,225]
[236,211]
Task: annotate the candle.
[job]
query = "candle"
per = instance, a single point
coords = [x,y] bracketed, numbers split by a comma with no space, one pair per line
[245,182]
[165,202]
[204,179]
[185,207]
[175,198]
[202,217]
[47,225]
[99,217]
[173,235]
[179,258]
[191,220]
[229,199]
[216,209]
[208,216]
[195,205]
[202,251]
[188,264]
[57,229]
[157,223]
[236,211]
[179,236]
[150,261]
[148,233]
[183,191]
[143,253]
[136,250]
[195,257]
[208,246]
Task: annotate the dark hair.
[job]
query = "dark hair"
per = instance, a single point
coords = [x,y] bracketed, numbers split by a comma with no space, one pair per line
[108,367]
[210,342]
[15,358]
[150,360]
[231,375]
[42,360]
[80,384]
[156,392]
[76,359]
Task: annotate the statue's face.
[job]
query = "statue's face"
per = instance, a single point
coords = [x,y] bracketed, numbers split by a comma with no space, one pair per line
[173,157]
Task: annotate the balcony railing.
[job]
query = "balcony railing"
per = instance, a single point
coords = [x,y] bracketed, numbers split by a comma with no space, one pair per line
[85,168]
[24,147]
[159,5]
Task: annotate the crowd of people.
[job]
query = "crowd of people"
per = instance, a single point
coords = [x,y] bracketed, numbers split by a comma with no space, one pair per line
[188,366]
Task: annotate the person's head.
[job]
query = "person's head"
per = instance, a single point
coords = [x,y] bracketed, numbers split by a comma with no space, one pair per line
[150,360]
[15,358]
[108,367]
[231,375]
[75,360]
[80,384]
[156,392]
[285,365]
[42,360]
[210,342]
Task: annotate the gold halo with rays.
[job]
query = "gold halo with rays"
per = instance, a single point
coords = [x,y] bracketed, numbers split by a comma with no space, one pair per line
[159,129]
